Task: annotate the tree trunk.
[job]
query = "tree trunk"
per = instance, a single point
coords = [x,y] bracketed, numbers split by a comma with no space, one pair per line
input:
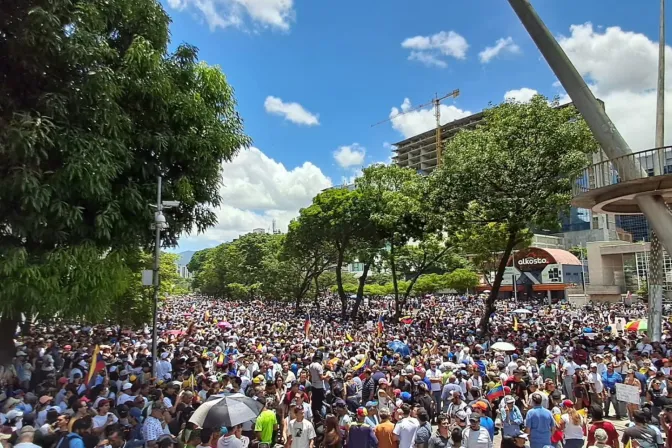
[360,291]
[339,283]
[317,294]
[494,292]
[7,348]
[393,267]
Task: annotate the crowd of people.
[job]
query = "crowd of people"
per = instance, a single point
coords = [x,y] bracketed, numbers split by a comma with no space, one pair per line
[431,380]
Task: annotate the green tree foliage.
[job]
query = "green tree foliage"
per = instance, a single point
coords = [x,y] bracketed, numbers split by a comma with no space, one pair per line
[461,280]
[134,305]
[197,263]
[517,169]
[93,108]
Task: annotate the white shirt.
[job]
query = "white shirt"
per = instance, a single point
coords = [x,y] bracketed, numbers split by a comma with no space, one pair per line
[124,398]
[476,439]
[316,371]
[100,420]
[164,370]
[570,367]
[596,379]
[572,431]
[511,367]
[301,433]
[406,430]
[433,374]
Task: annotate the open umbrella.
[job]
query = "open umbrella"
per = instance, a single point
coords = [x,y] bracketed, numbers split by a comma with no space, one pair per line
[503,346]
[224,324]
[522,311]
[399,347]
[226,410]
[637,325]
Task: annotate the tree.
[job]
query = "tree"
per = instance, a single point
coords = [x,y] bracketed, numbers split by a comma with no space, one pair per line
[515,170]
[580,252]
[336,217]
[93,108]
[197,264]
[394,198]
[307,256]
[461,280]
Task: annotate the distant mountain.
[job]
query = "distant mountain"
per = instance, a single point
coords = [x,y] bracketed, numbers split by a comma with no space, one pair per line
[185,257]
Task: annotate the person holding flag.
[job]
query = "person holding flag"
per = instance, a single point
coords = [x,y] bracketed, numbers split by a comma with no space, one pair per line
[97,365]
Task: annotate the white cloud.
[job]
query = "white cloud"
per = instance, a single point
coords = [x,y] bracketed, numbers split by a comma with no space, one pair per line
[521,95]
[427,58]
[350,156]
[257,189]
[621,68]
[293,112]
[430,49]
[505,45]
[278,14]
[418,121]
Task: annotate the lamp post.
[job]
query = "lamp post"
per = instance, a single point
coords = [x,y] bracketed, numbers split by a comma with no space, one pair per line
[159,225]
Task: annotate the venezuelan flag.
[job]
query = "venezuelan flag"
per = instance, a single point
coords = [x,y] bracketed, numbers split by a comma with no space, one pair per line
[496,392]
[97,365]
[381,326]
[306,325]
[515,323]
[348,337]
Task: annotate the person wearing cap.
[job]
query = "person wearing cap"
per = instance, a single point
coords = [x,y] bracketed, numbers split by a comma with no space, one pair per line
[74,439]
[572,425]
[456,405]
[26,436]
[601,439]
[360,433]
[372,417]
[475,435]
[152,427]
[104,418]
[126,394]
[539,423]
[609,379]
[384,430]
[595,386]
[510,416]
[598,423]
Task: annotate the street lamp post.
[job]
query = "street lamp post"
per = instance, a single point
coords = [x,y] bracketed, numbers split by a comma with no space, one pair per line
[159,225]
[159,222]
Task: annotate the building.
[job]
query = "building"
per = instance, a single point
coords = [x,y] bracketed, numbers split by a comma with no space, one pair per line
[259,231]
[183,271]
[616,268]
[578,227]
[542,273]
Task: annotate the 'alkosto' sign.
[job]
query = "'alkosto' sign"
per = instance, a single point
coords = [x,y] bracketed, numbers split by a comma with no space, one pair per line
[532,259]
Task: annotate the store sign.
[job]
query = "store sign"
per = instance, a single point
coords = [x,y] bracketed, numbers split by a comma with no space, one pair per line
[552,273]
[532,259]
[511,273]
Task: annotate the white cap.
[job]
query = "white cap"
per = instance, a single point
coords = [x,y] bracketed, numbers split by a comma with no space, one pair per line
[593,364]
[126,386]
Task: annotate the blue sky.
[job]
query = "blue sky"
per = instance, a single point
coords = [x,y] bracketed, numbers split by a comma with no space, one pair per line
[346,65]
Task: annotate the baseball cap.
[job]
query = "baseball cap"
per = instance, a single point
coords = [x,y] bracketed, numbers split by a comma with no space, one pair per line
[361,412]
[568,403]
[601,435]
[26,430]
[339,403]
[126,386]
[44,399]
[473,418]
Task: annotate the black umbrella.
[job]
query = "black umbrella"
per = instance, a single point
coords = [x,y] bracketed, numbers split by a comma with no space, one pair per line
[226,410]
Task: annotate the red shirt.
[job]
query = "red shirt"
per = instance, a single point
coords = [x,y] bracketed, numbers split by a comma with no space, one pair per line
[612,435]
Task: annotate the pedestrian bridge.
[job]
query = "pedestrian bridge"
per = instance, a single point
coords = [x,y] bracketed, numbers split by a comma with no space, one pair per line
[601,188]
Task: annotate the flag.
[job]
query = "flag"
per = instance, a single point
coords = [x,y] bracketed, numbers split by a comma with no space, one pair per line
[348,337]
[381,326]
[207,315]
[192,381]
[306,326]
[515,323]
[220,360]
[97,365]
[496,392]
[204,354]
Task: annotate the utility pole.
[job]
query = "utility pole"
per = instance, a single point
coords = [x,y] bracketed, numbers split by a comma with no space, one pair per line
[157,280]
[514,282]
[606,134]
[656,254]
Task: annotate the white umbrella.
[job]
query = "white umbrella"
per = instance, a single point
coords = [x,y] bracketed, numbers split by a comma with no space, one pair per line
[226,410]
[522,311]
[503,346]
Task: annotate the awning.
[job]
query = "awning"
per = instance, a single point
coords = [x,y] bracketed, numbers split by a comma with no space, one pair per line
[551,287]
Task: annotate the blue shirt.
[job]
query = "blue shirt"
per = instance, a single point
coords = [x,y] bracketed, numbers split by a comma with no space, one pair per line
[487,423]
[609,380]
[541,424]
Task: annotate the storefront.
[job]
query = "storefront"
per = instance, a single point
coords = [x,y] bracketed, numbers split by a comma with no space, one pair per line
[540,273]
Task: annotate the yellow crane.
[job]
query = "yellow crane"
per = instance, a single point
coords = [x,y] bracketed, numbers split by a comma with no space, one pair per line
[436,102]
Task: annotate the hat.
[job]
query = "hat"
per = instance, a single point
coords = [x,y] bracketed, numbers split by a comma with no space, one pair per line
[26,430]
[568,404]
[509,399]
[601,435]
[461,415]
[123,372]
[653,369]
[371,404]
[44,399]
[361,412]
[522,435]
[6,433]
[473,418]
[480,405]
[126,386]
[136,413]
[593,364]
[339,403]
[14,413]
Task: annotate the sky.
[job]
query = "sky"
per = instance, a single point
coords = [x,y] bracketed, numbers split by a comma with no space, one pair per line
[312,80]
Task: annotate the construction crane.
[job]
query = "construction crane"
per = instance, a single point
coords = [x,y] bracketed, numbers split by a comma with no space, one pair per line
[436,102]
